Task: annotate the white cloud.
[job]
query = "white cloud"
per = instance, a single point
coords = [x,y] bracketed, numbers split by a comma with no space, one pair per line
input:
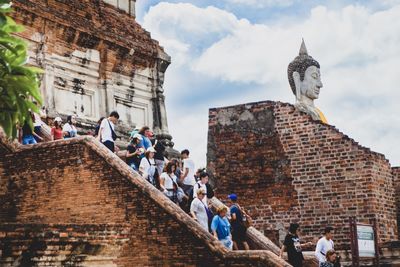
[358,50]
[262,3]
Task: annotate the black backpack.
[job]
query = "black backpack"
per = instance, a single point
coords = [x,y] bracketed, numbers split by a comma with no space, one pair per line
[210,191]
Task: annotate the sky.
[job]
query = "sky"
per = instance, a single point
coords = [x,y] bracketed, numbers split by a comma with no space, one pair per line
[227,52]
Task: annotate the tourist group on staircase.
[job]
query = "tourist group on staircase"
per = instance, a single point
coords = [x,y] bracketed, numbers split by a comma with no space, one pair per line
[183,184]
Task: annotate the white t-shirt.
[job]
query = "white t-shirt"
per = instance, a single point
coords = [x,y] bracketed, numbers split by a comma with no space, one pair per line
[146,168]
[323,245]
[106,134]
[70,128]
[167,180]
[197,186]
[189,179]
[199,209]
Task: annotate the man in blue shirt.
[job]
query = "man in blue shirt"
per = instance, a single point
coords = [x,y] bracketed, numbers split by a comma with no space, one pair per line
[238,228]
[221,227]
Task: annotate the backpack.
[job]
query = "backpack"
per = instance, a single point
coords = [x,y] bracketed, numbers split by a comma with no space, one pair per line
[190,199]
[210,191]
[156,176]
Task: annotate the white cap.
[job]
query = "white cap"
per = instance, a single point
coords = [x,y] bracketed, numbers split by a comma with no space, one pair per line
[58,119]
[151,149]
[138,136]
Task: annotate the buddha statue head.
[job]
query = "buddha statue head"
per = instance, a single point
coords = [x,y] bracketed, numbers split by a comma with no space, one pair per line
[305,81]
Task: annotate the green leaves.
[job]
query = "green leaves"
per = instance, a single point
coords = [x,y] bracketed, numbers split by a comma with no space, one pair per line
[19,84]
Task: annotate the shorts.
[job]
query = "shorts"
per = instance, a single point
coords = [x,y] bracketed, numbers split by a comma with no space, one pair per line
[109,145]
[239,233]
[227,242]
[28,140]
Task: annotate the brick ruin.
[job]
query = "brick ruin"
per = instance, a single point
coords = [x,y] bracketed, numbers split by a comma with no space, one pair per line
[396,177]
[288,168]
[74,203]
[96,59]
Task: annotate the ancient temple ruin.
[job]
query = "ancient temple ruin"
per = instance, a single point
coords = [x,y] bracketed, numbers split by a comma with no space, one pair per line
[96,59]
[289,165]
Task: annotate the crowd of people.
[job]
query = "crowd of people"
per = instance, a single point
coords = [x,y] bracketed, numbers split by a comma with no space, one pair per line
[179,180]
[59,130]
[324,251]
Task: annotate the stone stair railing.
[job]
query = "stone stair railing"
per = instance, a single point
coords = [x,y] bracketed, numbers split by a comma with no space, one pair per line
[263,257]
[258,240]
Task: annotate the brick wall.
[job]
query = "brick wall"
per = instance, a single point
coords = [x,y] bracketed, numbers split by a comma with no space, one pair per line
[287,168]
[396,176]
[72,202]
[95,25]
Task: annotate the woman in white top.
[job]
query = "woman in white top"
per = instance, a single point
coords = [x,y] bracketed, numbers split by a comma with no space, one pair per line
[147,167]
[69,128]
[198,209]
[168,182]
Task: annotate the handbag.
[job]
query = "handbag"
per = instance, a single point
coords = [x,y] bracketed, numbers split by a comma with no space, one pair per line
[113,134]
[155,179]
[210,214]
[180,194]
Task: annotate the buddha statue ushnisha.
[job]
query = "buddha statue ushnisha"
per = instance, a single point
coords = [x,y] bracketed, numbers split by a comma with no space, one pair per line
[305,80]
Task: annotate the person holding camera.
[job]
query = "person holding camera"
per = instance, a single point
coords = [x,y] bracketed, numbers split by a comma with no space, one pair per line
[293,246]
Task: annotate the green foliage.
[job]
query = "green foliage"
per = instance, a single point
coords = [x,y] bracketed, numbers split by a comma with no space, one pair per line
[19,84]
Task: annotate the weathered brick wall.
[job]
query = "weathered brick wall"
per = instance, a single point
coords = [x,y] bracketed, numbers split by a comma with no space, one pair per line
[287,168]
[72,202]
[396,176]
[99,58]
[88,24]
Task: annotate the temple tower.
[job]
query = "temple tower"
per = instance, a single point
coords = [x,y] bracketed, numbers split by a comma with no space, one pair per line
[96,59]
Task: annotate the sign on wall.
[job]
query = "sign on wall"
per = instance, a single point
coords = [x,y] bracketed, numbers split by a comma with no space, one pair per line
[366,240]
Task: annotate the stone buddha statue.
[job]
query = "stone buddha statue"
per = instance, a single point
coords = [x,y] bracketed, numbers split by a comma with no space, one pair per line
[305,80]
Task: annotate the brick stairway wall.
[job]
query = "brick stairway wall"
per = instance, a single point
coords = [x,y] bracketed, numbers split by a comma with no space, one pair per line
[72,201]
[287,168]
[396,176]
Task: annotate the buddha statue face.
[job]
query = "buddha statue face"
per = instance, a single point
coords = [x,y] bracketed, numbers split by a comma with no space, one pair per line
[305,81]
[310,86]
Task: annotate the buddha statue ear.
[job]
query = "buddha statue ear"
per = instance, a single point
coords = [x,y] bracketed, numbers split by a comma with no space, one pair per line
[297,83]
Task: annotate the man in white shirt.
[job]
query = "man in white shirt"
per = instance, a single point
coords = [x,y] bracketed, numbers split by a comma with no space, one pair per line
[187,176]
[324,244]
[107,134]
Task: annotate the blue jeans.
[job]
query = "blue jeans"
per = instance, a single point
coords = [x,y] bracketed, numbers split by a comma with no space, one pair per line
[28,140]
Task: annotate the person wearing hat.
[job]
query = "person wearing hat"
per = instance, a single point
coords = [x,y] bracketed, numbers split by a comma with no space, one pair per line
[56,130]
[238,228]
[147,168]
[134,152]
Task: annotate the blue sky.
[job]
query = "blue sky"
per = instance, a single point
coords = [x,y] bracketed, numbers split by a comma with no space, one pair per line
[229,52]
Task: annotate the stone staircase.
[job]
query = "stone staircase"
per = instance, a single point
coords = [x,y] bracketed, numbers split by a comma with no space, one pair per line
[73,203]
